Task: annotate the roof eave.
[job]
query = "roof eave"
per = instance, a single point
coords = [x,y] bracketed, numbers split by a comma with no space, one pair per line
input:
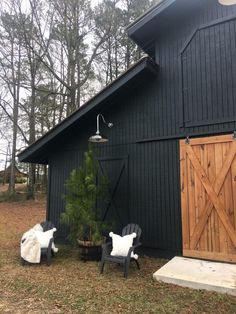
[144,21]
[28,155]
[148,16]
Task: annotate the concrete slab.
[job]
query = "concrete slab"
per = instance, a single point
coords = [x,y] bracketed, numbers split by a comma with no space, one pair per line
[199,274]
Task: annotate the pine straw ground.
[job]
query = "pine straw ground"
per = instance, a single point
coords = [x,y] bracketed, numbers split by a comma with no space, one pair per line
[71,286]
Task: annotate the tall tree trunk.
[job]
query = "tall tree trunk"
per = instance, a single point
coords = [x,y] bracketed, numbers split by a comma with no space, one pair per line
[31,182]
[45,177]
[5,167]
[16,98]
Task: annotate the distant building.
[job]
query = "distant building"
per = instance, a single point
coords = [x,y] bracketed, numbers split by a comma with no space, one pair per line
[5,175]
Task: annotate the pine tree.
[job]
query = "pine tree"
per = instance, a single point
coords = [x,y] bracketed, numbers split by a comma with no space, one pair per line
[84,190]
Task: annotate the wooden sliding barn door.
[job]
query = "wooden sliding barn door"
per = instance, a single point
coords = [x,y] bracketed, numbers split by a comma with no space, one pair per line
[208,197]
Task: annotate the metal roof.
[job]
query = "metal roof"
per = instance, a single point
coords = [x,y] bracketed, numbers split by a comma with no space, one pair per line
[39,151]
[147,29]
[142,30]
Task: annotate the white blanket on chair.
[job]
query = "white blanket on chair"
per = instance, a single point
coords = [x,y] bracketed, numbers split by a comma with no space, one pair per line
[30,248]
[33,240]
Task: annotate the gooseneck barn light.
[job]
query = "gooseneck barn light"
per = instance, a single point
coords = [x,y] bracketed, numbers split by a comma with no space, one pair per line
[98,138]
[227,2]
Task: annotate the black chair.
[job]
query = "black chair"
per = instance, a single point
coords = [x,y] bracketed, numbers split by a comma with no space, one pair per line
[122,260]
[45,252]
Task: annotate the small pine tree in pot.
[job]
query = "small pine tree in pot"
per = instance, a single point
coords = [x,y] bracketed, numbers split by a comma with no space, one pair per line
[84,191]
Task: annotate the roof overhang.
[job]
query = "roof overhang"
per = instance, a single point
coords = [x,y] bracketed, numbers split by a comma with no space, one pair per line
[164,15]
[40,151]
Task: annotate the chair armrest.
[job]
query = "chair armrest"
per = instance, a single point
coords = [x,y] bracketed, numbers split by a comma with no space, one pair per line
[137,245]
[106,248]
[132,248]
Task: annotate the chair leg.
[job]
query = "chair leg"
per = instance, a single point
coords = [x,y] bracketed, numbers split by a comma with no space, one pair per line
[126,268]
[49,255]
[102,267]
[137,263]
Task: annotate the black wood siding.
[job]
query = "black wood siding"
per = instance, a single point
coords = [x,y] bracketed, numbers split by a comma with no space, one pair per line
[194,94]
[209,74]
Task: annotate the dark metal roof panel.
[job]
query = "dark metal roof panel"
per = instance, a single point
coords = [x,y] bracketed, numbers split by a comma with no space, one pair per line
[165,15]
[39,151]
[148,16]
[142,29]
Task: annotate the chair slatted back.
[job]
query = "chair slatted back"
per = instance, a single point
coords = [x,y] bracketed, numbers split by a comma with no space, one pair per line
[130,228]
[47,225]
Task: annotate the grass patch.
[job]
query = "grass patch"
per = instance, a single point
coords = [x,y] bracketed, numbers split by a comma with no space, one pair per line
[72,286]
[8,197]
[19,195]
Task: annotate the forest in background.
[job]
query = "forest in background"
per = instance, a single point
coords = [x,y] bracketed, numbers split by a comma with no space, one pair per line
[54,56]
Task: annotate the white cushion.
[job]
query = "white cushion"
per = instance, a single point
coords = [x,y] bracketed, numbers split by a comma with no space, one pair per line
[38,227]
[44,237]
[121,245]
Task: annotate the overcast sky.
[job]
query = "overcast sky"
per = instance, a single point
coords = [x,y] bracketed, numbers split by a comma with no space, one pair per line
[3,142]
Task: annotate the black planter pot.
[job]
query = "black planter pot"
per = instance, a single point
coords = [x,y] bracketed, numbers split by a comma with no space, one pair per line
[90,251]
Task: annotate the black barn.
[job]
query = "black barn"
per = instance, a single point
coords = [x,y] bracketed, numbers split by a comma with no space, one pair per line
[185,87]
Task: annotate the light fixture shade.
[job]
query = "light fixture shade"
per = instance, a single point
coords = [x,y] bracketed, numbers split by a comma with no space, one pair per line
[97,138]
[227,2]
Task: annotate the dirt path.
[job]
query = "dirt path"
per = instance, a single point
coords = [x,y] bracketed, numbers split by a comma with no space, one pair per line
[4,188]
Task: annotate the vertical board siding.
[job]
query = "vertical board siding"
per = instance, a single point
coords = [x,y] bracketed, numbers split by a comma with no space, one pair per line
[150,198]
[209,76]
[156,108]
[60,167]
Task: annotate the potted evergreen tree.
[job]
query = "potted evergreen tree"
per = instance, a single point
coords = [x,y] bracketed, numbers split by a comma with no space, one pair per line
[85,189]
